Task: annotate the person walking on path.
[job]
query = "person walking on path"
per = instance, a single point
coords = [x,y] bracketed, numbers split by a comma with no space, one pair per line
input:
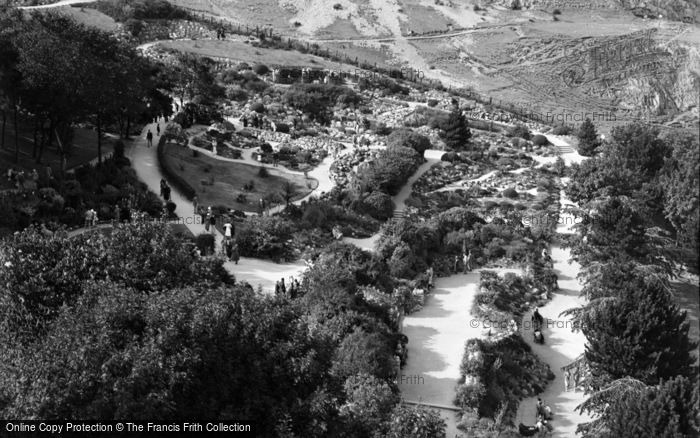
[166,192]
[456,264]
[235,255]
[195,203]
[158,129]
[207,219]
[212,223]
[149,138]
[228,229]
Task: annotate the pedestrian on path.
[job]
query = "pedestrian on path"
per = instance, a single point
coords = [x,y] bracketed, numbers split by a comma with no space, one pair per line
[207,219]
[235,255]
[228,229]
[149,138]
[158,129]
[456,264]
[195,203]
[212,223]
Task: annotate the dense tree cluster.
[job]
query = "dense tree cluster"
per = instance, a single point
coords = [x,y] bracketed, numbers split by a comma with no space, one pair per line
[132,325]
[61,72]
[637,339]
[658,173]
[317,100]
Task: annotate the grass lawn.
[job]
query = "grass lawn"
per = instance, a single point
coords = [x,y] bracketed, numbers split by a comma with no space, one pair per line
[229,179]
[83,151]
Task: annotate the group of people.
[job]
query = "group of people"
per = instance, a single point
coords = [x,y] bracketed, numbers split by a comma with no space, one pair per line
[466,262]
[281,288]
[90,218]
[19,177]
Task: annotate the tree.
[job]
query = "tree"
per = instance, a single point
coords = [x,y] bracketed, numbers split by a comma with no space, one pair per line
[362,352]
[416,422]
[627,408]
[637,332]
[456,132]
[368,404]
[680,180]
[612,229]
[408,138]
[288,191]
[588,140]
[143,256]
[669,410]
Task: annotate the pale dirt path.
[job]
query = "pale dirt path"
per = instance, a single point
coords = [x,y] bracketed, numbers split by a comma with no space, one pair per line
[561,346]
[436,338]
[57,4]
[432,156]
[265,273]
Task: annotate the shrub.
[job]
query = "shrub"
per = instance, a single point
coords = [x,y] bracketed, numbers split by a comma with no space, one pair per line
[519,131]
[263,172]
[540,140]
[432,102]
[337,6]
[562,130]
[282,127]
[408,138]
[556,12]
[378,205]
[510,192]
[205,243]
[258,107]
[261,69]
[235,92]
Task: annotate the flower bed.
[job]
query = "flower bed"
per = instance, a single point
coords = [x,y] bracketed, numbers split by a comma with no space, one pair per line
[497,375]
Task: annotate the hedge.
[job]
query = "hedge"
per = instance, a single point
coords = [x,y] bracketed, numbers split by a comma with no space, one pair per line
[171,175]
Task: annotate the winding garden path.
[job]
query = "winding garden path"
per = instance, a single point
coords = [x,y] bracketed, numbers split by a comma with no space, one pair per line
[265,273]
[561,346]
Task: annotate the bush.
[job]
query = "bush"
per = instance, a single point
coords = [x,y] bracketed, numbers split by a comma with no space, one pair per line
[235,92]
[258,107]
[282,127]
[205,243]
[432,102]
[519,131]
[510,192]
[540,140]
[408,138]
[337,6]
[263,172]
[378,205]
[261,69]
[556,12]
[562,130]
